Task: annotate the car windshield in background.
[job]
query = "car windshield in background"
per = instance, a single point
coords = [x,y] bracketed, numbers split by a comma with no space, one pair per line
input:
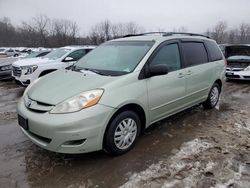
[33,54]
[115,58]
[56,54]
[239,57]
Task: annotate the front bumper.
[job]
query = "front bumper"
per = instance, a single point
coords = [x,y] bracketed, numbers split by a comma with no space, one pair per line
[78,132]
[238,75]
[24,81]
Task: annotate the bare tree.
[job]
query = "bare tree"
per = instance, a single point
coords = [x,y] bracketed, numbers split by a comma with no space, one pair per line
[41,25]
[219,32]
[106,30]
[233,36]
[244,33]
[63,32]
[7,32]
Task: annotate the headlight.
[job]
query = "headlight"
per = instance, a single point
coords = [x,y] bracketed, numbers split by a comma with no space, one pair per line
[247,69]
[78,102]
[29,69]
[4,68]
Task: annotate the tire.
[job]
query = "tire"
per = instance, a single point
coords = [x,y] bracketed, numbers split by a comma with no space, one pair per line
[213,97]
[127,127]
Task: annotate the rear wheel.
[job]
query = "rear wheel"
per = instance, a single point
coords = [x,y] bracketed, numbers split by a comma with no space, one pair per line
[122,133]
[213,97]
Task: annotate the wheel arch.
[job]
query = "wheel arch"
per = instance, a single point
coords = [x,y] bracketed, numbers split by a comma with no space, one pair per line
[129,107]
[219,82]
[44,72]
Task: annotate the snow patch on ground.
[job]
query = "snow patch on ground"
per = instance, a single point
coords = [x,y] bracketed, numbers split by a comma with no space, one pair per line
[168,173]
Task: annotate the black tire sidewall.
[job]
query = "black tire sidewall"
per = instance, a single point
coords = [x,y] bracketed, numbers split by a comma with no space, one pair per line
[109,144]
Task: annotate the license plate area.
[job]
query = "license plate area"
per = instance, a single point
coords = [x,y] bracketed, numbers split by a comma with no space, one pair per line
[230,73]
[23,122]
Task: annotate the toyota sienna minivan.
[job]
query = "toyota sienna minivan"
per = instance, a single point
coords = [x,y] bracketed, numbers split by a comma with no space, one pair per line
[119,89]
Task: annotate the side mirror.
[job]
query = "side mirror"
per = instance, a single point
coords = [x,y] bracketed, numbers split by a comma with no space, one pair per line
[70,67]
[156,70]
[68,59]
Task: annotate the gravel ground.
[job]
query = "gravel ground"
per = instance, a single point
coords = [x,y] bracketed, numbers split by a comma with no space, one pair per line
[195,148]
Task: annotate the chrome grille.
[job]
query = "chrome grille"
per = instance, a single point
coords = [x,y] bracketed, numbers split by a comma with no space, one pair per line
[17,71]
[37,106]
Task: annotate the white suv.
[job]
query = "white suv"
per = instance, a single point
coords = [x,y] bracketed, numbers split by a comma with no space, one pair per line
[25,71]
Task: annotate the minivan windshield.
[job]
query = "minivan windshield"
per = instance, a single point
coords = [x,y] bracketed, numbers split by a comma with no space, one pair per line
[114,58]
[56,54]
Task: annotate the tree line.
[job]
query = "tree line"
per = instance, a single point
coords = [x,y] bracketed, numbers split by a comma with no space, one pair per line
[223,34]
[41,31]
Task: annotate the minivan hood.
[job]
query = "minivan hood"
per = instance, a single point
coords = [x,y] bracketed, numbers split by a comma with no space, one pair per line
[32,61]
[63,84]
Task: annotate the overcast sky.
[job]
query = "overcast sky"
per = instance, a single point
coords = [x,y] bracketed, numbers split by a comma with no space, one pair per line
[195,15]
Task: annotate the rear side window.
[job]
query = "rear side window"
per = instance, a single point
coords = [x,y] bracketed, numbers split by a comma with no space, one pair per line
[168,55]
[214,51]
[194,53]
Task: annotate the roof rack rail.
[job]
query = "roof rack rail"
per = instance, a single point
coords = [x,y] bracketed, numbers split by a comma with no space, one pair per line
[166,34]
[183,33]
[142,34]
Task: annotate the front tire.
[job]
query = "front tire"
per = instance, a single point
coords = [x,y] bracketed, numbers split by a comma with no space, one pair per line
[213,97]
[122,133]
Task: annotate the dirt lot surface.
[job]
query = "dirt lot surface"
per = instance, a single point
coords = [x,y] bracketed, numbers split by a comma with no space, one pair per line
[195,148]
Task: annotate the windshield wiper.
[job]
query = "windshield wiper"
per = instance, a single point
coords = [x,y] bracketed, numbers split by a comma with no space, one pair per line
[75,68]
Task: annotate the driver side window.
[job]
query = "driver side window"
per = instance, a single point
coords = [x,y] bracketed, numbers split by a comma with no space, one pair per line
[76,55]
[168,55]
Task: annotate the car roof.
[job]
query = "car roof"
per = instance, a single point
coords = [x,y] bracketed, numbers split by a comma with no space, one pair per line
[80,47]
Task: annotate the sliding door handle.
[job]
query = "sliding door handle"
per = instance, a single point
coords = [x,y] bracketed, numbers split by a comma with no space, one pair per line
[189,72]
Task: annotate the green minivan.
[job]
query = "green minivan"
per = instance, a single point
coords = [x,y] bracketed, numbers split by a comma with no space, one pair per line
[119,89]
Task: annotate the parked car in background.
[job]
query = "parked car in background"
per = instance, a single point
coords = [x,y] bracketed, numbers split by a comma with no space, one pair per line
[36,54]
[27,70]
[6,64]
[238,61]
[11,52]
[122,87]
[6,68]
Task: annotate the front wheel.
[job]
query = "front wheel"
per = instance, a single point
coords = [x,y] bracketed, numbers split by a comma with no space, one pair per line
[122,133]
[213,97]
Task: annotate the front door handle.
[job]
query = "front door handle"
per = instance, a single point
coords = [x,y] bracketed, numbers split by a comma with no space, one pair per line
[180,75]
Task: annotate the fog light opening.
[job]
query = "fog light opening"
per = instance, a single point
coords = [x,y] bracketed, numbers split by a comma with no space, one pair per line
[74,142]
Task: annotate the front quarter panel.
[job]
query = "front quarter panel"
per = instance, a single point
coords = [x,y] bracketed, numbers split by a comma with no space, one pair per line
[127,89]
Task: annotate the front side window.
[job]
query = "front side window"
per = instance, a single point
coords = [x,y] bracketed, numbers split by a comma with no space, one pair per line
[33,54]
[115,58]
[76,55]
[194,53]
[56,54]
[169,55]
[42,54]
